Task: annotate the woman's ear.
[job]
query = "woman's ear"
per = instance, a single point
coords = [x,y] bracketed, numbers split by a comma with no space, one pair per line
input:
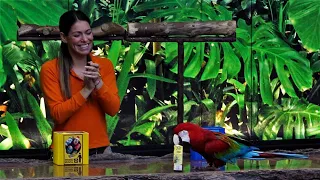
[63,37]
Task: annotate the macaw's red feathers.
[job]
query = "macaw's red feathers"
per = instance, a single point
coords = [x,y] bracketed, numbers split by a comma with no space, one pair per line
[218,148]
[217,142]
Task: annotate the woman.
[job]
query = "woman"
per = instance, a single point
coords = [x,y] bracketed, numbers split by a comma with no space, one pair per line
[80,88]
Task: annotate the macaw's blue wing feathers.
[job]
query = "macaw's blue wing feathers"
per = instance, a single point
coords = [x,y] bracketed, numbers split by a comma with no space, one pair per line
[225,148]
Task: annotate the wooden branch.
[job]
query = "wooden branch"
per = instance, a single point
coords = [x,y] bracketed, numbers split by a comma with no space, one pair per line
[190,29]
[108,29]
[36,30]
[33,30]
[172,31]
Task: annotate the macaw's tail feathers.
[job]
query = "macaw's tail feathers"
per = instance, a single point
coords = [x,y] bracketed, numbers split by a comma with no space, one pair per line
[251,154]
[259,155]
[280,155]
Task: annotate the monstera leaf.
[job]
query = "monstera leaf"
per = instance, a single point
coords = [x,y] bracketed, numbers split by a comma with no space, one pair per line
[304,16]
[31,12]
[270,53]
[297,117]
[194,52]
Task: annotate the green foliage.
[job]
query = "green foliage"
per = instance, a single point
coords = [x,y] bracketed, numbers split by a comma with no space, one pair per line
[270,51]
[267,164]
[304,16]
[297,118]
[19,141]
[3,76]
[42,123]
[31,12]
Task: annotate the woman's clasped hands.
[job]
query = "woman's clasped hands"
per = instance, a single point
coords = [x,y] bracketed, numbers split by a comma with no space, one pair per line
[92,76]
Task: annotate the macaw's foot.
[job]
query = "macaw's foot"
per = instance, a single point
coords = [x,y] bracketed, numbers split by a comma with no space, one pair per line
[204,168]
[210,168]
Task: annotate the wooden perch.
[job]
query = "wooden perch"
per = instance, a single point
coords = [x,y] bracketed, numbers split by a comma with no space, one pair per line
[108,29]
[52,32]
[142,32]
[36,30]
[190,29]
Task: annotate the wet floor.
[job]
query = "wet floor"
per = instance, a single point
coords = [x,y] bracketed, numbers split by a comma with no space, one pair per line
[143,166]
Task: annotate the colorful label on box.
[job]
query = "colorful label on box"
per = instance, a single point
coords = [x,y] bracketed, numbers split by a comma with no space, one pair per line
[73,153]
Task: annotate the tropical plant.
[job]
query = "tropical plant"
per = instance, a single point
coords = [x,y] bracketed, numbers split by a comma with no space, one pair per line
[298,119]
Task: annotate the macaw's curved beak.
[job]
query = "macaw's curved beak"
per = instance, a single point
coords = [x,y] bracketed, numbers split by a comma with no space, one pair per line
[176,139]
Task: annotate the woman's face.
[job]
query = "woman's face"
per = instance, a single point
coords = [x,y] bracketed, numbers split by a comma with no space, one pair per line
[79,39]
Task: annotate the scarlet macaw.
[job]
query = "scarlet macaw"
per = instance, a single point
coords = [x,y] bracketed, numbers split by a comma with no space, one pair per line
[219,149]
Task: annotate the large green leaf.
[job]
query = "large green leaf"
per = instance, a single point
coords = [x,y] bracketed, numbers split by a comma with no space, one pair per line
[45,12]
[18,139]
[152,76]
[212,67]
[194,65]
[173,9]
[271,52]
[51,49]
[87,6]
[6,144]
[194,52]
[112,122]
[145,129]
[42,123]
[114,52]
[297,117]
[12,54]
[231,64]
[151,84]
[3,76]
[154,111]
[305,17]
[123,79]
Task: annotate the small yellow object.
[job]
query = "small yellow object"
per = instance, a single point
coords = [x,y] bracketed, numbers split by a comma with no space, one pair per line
[178,158]
[70,170]
[70,147]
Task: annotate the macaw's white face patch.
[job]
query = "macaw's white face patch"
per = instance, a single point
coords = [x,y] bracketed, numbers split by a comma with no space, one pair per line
[184,136]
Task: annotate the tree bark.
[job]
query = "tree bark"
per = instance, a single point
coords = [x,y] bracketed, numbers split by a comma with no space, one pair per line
[108,29]
[190,29]
[33,30]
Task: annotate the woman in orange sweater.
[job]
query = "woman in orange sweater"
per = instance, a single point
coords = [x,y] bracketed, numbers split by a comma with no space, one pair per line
[80,88]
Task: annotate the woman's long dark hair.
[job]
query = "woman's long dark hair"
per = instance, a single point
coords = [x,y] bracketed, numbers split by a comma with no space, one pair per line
[65,60]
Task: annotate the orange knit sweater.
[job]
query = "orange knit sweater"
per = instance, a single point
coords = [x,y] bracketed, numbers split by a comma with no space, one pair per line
[78,113]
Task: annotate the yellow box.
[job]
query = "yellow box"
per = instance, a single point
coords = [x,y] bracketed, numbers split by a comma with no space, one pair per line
[70,147]
[178,158]
[70,170]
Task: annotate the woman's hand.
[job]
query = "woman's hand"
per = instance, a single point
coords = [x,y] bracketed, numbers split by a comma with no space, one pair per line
[93,76]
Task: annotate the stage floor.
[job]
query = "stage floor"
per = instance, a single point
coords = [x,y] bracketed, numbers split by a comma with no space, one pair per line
[122,166]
